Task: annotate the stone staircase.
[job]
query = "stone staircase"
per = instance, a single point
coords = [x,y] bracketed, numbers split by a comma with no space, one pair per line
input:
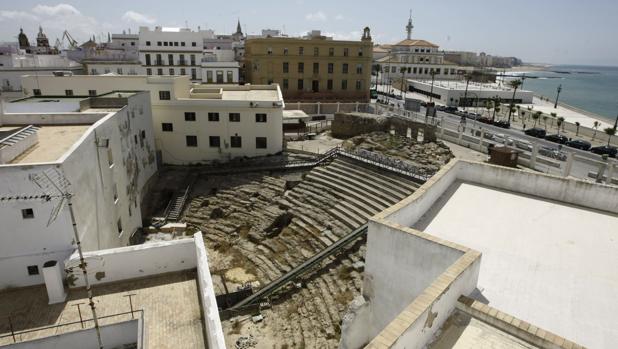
[327,204]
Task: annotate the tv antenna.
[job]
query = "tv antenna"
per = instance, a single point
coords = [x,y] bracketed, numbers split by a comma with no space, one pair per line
[55,186]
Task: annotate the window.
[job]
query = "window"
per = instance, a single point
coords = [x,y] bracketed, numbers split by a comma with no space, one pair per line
[148,59]
[159,60]
[191,141]
[159,71]
[301,67]
[27,213]
[414,70]
[148,71]
[316,51]
[286,67]
[181,60]
[33,270]
[315,86]
[344,68]
[229,76]
[359,84]
[344,84]
[183,71]
[300,84]
[286,84]
[119,225]
[158,43]
[346,52]
[260,142]
[164,43]
[331,68]
[189,116]
[331,51]
[219,76]
[164,95]
[175,43]
[68,92]
[193,44]
[214,141]
[285,51]
[269,51]
[182,44]
[193,74]
[192,58]
[236,141]
[329,84]
[147,43]
[37,92]
[260,117]
[92,92]
[359,69]
[170,59]
[167,127]
[213,116]
[316,68]
[301,51]
[393,69]
[234,117]
[171,71]
[110,157]
[360,52]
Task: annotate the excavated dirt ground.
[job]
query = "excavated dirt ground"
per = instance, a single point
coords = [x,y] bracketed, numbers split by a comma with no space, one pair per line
[258,226]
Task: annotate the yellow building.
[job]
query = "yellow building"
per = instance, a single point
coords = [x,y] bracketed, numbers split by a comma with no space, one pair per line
[312,68]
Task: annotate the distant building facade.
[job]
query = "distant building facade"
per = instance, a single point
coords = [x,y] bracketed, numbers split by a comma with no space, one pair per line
[313,68]
[193,123]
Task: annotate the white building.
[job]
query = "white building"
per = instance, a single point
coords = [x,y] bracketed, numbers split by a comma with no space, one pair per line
[15,64]
[104,146]
[193,123]
[415,58]
[172,51]
[455,93]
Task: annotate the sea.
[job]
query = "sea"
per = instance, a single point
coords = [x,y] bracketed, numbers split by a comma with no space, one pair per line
[591,88]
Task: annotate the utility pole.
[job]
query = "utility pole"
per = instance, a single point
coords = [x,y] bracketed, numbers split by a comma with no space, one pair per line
[433,75]
[559,89]
[467,77]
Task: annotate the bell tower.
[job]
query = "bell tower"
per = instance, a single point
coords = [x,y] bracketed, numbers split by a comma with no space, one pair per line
[409,27]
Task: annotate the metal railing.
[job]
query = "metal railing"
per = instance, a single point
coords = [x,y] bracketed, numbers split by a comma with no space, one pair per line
[84,323]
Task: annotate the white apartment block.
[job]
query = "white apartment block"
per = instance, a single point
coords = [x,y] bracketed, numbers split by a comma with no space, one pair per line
[193,123]
[104,146]
[172,51]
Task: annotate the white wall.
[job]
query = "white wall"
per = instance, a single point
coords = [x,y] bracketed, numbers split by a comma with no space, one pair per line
[112,336]
[130,262]
[212,322]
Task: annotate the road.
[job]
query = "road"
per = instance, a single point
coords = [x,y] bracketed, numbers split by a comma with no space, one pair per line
[452,122]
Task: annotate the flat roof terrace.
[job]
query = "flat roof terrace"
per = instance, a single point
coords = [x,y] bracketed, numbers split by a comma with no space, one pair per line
[53,142]
[170,304]
[546,262]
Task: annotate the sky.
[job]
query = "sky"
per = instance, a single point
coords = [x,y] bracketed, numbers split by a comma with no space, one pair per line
[537,31]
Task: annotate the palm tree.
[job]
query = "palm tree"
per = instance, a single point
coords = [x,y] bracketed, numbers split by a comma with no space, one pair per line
[553,117]
[577,129]
[378,69]
[488,107]
[560,122]
[518,107]
[496,104]
[595,126]
[545,121]
[536,117]
[610,131]
[514,84]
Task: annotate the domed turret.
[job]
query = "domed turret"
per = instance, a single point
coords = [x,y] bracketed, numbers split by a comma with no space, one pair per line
[23,40]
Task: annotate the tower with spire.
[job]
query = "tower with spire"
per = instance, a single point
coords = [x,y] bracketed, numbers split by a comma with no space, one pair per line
[41,39]
[238,35]
[409,27]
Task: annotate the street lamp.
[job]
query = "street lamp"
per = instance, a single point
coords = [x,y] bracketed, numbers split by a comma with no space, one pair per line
[467,77]
[559,89]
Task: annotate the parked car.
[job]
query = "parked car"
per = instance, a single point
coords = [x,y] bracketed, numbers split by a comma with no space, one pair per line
[556,138]
[451,110]
[502,124]
[552,153]
[579,144]
[485,120]
[605,150]
[502,139]
[535,132]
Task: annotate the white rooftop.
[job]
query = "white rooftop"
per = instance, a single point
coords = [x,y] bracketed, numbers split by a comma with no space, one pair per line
[552,264]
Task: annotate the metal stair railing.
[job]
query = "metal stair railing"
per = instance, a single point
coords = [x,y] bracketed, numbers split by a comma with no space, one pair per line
[301,269]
